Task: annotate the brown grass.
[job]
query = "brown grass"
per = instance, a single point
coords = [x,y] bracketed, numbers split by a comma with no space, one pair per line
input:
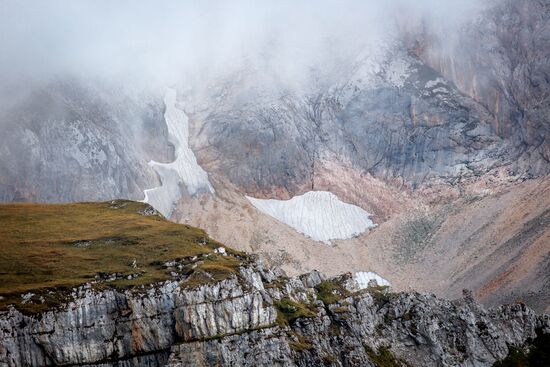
[58,246]
[214,269]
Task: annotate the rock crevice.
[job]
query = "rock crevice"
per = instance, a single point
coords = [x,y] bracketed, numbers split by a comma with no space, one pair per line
[260,317]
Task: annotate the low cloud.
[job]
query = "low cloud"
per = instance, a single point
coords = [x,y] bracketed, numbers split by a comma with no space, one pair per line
[167,41]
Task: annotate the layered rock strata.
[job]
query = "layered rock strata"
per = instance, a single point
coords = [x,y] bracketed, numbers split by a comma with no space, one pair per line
[260,317]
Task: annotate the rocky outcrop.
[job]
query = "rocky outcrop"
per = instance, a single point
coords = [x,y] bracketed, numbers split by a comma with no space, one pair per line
[74,140]
[500,59]
[414,108]
[260,317]
[420,130]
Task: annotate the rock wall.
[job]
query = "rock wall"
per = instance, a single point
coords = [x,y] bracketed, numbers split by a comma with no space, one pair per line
[500,59]
[422,130]
[73,140]
[262,318]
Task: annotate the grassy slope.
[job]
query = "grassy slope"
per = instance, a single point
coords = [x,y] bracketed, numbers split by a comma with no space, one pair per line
[58,246]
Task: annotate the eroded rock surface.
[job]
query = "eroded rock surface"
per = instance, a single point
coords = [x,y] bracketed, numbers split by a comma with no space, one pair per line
[263,318]
[74,140]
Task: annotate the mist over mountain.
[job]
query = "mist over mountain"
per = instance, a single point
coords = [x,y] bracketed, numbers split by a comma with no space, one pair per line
[177,40]
[403,142]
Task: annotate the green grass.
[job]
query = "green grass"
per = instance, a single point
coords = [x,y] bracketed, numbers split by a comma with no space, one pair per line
[341,310]
[48,248]
[329,359]
[380,294]
[214,269]
[301,343]
[331,291]
[538,356]
[289,310]
[382,358]
[298,342]
[515,358]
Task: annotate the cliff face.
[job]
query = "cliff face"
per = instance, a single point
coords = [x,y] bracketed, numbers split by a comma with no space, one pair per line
[426,137]
[412,108]
[259,317]
[422,107]
[407,124]
[501,61]
[75,140]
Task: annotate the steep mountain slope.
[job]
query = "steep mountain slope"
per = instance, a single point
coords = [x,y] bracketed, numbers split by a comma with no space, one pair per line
[419,129]
[501,61]
[195,302]
[476,242]
[74,140]
[468,241]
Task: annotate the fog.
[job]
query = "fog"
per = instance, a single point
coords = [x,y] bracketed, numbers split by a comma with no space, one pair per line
[166,42]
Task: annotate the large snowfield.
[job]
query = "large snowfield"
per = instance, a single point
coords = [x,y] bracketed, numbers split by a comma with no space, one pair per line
[183,170]
[317,214]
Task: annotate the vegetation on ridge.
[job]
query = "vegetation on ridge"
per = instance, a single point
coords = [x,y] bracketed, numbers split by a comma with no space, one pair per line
[383,358]
[331,291]
[538,355]
[48,248]
[289,310]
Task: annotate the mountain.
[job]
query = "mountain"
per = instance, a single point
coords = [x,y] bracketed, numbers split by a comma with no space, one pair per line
[434,155]
[118,285]
[75,140]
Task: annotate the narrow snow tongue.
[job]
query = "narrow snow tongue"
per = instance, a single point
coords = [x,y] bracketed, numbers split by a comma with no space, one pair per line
[317,214]
[183,170]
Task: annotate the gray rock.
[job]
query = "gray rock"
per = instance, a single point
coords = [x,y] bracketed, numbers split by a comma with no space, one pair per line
[234,322]
[77,141]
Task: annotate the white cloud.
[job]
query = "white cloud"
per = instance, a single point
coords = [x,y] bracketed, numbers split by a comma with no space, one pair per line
[168,40]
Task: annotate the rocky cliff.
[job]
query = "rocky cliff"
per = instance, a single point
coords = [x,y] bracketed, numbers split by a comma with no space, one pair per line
[500,59]
[443,143]
[74,140]
[259,317]
[408,107]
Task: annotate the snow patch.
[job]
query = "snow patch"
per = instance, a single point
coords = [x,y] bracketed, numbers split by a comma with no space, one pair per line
[398,72]
[432,83]
[363,278]
[440,90]
[183,170]
[317,214]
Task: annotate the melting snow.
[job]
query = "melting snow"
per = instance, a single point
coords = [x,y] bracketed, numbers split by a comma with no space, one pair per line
[364,277]
[183,170]
[432,83]
[317,214]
